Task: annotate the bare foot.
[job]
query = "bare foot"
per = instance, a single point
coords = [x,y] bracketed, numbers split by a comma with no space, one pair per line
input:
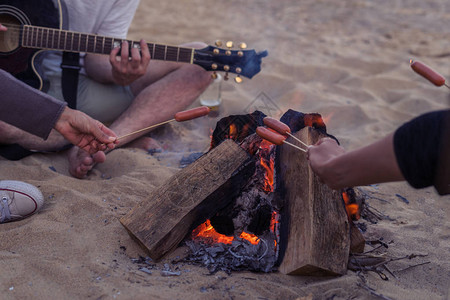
[81,162]
[146,143]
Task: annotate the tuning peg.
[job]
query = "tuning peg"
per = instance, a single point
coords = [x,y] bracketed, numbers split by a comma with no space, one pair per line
[219,43]
[229,44]
[238,79]
[226,76]
[243,46]
[214,75]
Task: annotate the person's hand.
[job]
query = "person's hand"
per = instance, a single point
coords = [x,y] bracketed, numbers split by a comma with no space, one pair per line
[320,156]
[3,28]
[85,132]
[126,69]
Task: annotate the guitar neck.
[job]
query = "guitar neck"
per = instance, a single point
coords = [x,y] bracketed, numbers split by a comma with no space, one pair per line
[63,40]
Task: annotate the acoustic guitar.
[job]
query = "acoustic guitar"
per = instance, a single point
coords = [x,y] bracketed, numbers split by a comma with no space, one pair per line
[35,26]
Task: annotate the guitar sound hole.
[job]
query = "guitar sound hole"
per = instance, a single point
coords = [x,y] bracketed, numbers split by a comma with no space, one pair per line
[9,40]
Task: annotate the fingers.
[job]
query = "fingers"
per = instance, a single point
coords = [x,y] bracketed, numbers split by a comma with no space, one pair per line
[145,53]
[132,62]
[124,56]
[103,135]
[113,56]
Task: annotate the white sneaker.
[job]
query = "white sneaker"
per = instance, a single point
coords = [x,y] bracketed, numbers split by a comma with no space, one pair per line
[18,200]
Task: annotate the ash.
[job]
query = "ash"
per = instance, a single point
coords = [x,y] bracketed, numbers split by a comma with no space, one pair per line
[240,255]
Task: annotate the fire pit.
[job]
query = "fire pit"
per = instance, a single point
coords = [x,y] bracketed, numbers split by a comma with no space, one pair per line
[249,205]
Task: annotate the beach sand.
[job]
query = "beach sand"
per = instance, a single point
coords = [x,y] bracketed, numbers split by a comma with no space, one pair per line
[347,60]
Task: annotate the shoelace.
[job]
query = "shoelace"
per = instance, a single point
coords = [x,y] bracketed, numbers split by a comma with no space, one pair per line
[5,213]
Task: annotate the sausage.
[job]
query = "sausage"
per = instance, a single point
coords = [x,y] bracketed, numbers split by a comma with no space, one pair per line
[273,137]
[192,113]
[426,72]
[276,125]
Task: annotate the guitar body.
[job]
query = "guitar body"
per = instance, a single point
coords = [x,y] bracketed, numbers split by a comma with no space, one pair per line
[23,62]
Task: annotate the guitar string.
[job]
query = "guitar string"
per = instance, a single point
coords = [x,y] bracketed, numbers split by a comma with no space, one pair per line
[109,42]
[167,51]
[158,51]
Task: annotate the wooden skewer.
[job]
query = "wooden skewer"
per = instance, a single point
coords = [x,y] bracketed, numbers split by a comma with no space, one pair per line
[179,117]
[299,140]
[295,146]
[146,128]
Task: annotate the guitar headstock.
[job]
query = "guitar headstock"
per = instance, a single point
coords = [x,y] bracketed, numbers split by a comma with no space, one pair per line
[242,62]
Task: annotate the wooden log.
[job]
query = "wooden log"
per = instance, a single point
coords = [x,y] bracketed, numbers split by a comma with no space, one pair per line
[357,240]
[314,224]
[188,198]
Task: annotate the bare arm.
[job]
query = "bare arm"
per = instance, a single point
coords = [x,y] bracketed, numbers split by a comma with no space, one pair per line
[338,169]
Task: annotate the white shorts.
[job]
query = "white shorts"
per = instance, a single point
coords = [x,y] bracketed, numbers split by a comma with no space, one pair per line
[103,102]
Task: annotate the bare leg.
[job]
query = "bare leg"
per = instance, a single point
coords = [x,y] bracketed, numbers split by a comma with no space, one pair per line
[166,89]
[159,101]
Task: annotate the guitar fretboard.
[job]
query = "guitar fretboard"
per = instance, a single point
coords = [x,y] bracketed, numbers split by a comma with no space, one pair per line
[56,39]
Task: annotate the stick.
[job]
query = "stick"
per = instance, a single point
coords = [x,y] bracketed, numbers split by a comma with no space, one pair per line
[303,143]
[146,128]
[295,146]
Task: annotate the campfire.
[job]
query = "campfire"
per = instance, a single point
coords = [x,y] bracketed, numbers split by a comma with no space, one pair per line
[247,229]
[250,205]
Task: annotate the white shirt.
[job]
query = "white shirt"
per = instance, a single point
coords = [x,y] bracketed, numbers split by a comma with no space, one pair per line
[111,18]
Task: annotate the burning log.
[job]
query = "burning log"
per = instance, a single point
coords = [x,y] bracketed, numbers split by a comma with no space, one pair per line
[358,241]
[188,198]
[315,232]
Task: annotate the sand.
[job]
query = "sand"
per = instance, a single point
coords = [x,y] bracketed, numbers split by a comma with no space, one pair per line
[347,60]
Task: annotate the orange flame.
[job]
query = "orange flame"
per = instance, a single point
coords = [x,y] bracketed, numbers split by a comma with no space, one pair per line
[268,176]
[232,132]
[207,232]
[326,119]
[351,208]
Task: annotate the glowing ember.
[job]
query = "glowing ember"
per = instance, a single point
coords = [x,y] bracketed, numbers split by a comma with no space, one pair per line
[233,132]
[207,233]
[314,121]
[351,208]
[273,221]
[250,237]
